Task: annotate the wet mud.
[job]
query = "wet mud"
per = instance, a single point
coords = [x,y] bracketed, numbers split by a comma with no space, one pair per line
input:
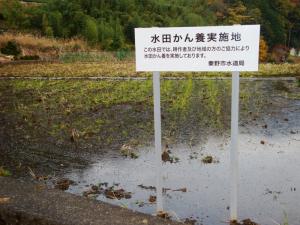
[95,139]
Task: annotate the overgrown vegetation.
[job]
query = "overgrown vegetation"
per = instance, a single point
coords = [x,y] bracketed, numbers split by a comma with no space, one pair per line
[90,114]
[45,48]
[4,172]
[110,66]
[111,23]
[11,48]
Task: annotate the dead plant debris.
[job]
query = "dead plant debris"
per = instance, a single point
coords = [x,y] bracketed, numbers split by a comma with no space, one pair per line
[63,184]
[190,221]
[163,214]
[207,159]
[167,157]
[127,151]
[109,192]
[117,194]
[4,200]
[152,198]
[39,178]
[181,189]
[152,188]
[243,222]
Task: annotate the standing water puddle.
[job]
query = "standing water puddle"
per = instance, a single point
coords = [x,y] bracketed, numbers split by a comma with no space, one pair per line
[196,181]
[84,128]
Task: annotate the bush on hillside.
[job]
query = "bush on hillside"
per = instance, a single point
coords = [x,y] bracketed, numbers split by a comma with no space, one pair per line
[11,48]
[30,57]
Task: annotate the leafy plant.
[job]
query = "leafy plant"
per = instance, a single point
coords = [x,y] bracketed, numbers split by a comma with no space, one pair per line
[4,172]
[11,48]
[122,54]
[285,220]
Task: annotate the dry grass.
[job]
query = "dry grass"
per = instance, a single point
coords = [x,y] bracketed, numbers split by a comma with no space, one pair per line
[46,48]
[31,4]
[118,68]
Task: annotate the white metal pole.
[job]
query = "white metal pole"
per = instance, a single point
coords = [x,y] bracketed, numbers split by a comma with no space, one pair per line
[234,160]
[157,130]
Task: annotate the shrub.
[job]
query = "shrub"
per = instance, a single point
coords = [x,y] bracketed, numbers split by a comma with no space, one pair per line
[4,172]
[279,53]
[121,54]
[30,57]
[263,50]
[91,31]
[11,48]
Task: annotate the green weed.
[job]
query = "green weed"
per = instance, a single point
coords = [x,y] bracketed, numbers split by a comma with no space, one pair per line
[4,172]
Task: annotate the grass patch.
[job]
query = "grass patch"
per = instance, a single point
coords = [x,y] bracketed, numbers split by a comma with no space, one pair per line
[4,172]
[105,113]
[112,67]
[95,56]
[46,48]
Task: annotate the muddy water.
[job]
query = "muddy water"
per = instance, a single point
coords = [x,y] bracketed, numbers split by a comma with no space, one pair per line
[77,129]
[269,162]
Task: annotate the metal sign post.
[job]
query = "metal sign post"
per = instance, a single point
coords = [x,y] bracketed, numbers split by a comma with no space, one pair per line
[157,130]
[234,160]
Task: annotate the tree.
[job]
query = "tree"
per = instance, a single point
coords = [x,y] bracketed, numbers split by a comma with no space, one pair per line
[11,48]
[129,28]
[263,50]
[92,19]
[237,14]
[56,22]
[272,21]
[47,29]
[13,13]
[91,30]
[118,37]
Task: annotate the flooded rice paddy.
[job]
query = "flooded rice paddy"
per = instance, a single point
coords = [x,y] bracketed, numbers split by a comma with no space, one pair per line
[100,135]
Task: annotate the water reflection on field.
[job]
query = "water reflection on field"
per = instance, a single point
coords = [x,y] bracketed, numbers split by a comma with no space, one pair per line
[78,129]
[269,156]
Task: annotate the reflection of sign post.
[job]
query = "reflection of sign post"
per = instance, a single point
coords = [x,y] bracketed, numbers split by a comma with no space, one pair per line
[221,48]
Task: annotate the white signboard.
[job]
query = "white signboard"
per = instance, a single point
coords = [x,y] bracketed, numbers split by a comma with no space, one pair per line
[219,48]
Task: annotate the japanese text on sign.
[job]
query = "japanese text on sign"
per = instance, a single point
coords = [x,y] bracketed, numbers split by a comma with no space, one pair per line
[224,48]
[199,37]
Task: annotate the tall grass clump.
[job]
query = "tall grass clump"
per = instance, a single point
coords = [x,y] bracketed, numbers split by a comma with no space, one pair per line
[46,48]
[71,57]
